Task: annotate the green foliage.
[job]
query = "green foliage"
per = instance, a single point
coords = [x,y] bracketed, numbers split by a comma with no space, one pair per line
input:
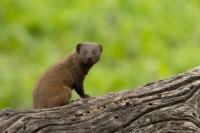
[143,40]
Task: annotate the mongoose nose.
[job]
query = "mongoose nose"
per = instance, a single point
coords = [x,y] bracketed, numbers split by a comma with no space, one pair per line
[90,59]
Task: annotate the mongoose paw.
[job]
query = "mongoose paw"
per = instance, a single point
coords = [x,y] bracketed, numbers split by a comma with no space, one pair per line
[86,96]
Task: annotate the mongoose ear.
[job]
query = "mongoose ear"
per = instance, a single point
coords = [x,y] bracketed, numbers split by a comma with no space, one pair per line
[78,47]
[101,47]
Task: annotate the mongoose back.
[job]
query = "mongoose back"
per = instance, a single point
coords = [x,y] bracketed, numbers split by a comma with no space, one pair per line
[55,86]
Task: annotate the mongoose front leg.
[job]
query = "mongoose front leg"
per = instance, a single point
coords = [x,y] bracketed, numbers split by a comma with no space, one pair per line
[80,90]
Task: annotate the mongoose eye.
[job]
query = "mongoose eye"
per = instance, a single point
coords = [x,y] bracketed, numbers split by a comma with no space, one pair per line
[94,52]
[84,52]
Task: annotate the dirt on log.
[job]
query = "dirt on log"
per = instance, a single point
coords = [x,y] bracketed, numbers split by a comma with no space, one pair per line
[170,105]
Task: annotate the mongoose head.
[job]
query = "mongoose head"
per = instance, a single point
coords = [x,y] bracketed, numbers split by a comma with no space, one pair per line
[88,53]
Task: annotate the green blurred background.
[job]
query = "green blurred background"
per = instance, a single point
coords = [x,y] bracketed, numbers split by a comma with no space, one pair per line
[143,40]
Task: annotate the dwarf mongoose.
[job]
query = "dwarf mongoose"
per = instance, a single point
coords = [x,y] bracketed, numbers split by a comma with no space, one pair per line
[55,86]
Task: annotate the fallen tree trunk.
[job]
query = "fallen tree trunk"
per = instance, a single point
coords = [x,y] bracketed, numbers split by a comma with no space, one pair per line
[170,105]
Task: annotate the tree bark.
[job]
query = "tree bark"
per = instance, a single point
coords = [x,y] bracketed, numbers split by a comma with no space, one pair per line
[170,105]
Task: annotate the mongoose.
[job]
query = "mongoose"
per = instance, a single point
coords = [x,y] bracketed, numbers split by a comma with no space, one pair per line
[55,86]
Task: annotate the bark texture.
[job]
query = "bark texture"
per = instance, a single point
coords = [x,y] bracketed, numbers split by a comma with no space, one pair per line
[170,105]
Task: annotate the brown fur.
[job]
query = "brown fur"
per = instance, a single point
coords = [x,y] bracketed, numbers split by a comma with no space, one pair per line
[54,87]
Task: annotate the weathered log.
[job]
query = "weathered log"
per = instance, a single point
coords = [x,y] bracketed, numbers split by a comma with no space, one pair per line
[170,105]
